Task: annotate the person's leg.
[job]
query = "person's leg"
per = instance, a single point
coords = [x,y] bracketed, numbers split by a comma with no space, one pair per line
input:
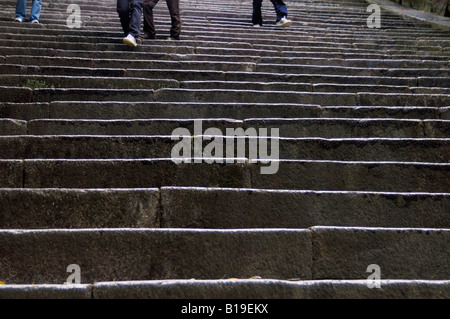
[35,10]
[257,14]
[123,9]
[135,17]
[21,6]
[174,9]
[280,9]
[149,25]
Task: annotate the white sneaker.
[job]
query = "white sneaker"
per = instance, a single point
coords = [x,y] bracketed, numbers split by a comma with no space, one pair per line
[284,22]
[257,25]
[130,41]
[18,20]
[35,21]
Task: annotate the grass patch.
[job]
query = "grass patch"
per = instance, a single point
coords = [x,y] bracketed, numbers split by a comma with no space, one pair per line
[37,84]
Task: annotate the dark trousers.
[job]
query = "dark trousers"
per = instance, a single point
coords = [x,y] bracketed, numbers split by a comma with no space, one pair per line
[174,9]
[130,14]
[280,9]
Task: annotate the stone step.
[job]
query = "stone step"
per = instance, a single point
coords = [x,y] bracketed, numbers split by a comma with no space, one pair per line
[143,254]
[348,175]
[80,208]
[124,173]
[213,172]
[129,147]
[221,79]
[321,98]
[45,81]
[360,71]
[304,127]
[233,289]
[348,247]
[307,65]
[12,127]
[147,254]
[218,208]
[188,110]
[354,127]
[33,81]
[14,94]
[251,208]
[301,51]
[307,87]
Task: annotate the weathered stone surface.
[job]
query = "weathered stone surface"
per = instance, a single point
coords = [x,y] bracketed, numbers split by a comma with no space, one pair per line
[254,96]
[76,81]
[75,94]
[125,127]
[113,147]
[45,291]
[217,208]
[436,6]
[434,12]
[11,173]
[42,256]
[351,127]
[272,289]
[13,147]
[396,99]
[401,253]
[389,289]
[15,94]
[352,176]
[177,110]
[64,208]
[201,289]
[24,111]
[132,173]
[12,127]
[234,289]
[287,127]
[370,149]
[85,147]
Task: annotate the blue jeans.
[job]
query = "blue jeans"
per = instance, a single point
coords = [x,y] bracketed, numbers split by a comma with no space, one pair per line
[21,7]
[130,14]
[280,9]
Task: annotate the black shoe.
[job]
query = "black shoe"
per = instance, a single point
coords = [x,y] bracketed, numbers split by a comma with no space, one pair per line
[146,36]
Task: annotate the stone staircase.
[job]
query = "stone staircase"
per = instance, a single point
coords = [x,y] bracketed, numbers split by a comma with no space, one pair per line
[87,176]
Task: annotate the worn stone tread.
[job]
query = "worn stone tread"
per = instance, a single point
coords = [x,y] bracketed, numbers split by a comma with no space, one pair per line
[228,208]
[234,289]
